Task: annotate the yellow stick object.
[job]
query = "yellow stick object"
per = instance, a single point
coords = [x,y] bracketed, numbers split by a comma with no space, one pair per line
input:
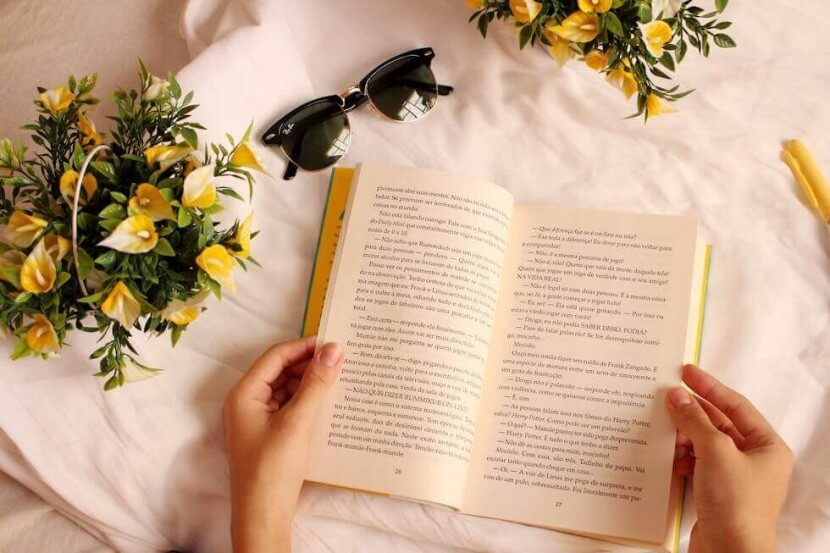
[809,177]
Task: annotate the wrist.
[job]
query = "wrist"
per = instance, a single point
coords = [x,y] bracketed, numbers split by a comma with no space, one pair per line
[257,533]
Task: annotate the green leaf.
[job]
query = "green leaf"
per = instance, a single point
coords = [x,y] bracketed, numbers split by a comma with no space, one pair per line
[164,248]
[78,156]
[119,197]
[84,264]
[87,221]
[11,275]
[525,35]
[189,136]
[109,224]
[105,169]
[106,259]
[113,211]
[175,88]
[99,352]
[612,23]
[93,298]
[228,191]
[184,217]
[720,5]
[63,277]
[112,383]
[175,334]
[23,297]
[724,41]
[21,350]
[87,84]
[667,61]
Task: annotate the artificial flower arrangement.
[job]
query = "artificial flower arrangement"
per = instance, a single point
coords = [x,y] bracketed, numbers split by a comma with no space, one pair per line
[635,43]
[112,237]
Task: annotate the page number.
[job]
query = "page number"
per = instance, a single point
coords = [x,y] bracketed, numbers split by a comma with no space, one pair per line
[397,471]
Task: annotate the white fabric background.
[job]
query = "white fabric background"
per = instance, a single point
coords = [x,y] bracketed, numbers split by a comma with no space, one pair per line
[143,467]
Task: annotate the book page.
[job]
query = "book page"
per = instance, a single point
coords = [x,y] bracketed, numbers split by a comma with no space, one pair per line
[591,334]
[413,299]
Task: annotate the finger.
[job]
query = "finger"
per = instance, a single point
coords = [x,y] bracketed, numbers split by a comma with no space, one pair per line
[292,385]
[682,439]
[722,422]
[280,397]
[267,369]
[685,466]
[317,380]
[747,419]
[690,418]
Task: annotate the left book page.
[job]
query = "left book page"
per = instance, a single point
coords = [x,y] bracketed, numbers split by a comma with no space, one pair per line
[413,298]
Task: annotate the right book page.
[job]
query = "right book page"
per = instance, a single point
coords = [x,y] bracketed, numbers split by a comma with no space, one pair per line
[590,334]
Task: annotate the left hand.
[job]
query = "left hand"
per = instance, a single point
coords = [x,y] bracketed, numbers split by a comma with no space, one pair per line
[269,416]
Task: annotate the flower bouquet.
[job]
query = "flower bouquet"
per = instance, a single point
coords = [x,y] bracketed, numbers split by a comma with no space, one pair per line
[636,43]
[115,236]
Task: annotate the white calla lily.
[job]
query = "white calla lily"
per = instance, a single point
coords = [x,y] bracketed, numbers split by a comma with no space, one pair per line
[198,190]
[665,8]
[133,371]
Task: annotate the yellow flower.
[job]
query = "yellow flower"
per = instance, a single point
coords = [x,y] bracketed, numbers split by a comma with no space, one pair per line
[598,6]
[655,106]
[559,48]
[218,263]
[193,162]
[245,156]
[578,27]
[165,155]
[597,60]
[42,337]
[10,263]
[656,34]
[22,229]
[91,137]
[56,99]
[243,238]
[56,246]
[182,313]
[623,79]
[120,305]
[149,201]
[69,180]
[475,4]
[135,372]
[525,11]
[198,190]
[38,273]
[134,234]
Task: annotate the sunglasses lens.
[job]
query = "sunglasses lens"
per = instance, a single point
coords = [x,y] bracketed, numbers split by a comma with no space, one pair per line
[317,136]
[403,90]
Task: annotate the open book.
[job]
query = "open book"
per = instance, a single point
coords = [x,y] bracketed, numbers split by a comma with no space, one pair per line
[508,361]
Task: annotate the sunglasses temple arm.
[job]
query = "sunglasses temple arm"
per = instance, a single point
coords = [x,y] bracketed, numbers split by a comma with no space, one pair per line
[445,89]
[290,171]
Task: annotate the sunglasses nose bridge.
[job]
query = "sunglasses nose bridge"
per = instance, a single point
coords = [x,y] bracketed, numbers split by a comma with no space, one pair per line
[352,97]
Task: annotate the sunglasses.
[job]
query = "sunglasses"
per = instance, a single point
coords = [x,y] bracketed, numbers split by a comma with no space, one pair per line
[317,134]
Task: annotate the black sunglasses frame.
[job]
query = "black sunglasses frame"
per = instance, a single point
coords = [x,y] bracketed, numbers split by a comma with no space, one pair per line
[351,99]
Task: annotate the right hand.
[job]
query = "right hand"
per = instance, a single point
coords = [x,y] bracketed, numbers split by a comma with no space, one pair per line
[739,465]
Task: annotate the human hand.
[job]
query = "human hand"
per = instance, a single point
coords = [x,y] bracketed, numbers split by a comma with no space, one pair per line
[740,467]
[268,417]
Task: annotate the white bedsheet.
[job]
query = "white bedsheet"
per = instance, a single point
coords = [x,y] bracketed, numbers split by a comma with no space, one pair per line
[143,467]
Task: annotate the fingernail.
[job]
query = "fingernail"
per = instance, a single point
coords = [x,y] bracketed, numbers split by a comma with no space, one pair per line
[680,452]
[330,354]
[679,397]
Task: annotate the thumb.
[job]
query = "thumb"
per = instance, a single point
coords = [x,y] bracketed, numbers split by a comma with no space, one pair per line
[318,378]
[690,418]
